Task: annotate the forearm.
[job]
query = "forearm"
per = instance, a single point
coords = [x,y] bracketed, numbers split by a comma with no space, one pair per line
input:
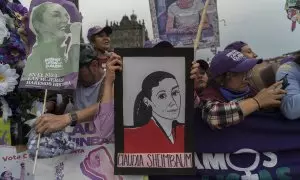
[104,120]
[107,93]
[249,106]
[87,114]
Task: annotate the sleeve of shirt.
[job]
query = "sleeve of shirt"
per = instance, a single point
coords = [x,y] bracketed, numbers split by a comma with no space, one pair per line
[220,115]
[171,10]
[291,101]
[104,120]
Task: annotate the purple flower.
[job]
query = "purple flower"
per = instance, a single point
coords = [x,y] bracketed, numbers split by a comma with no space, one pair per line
[12,50]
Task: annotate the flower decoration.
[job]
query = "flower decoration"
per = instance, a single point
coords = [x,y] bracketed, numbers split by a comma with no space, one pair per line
[6,111]
[8,79]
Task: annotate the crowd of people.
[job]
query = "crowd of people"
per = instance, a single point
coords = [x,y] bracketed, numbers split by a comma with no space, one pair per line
[222,90]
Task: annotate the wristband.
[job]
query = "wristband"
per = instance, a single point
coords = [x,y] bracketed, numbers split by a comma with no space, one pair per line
[257,103]
[74,118]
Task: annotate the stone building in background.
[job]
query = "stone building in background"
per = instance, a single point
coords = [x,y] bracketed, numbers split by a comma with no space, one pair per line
[128,33]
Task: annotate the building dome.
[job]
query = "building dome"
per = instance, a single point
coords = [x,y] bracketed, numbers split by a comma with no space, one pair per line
[133,16]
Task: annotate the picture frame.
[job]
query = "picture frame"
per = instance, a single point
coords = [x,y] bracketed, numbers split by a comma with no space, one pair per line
[166,73]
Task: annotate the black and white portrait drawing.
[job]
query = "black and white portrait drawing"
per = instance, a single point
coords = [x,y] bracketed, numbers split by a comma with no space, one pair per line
[153,117]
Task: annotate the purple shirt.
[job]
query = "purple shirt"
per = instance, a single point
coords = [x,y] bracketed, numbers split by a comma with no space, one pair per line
[104,121]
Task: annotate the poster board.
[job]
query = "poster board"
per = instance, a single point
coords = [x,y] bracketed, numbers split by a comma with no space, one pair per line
[15,165]
[54,37]
[154,112]
[177,21]
[93,162]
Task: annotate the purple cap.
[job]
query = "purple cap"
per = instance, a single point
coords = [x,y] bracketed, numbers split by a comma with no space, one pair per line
[97,29]
[231,61]
[287,59]
[237,45]
[158,43]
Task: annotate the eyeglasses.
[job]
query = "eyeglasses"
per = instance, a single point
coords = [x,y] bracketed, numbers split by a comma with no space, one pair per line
[248,75]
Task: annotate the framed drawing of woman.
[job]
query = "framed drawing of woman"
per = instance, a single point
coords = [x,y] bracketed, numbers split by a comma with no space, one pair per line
[154,112]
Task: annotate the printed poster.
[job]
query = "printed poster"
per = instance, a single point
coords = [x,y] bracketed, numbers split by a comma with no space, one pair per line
[85,134]
[89,163]
[292,8]
[153,112]
[5,136]
[54,31]
[14,165]
[177,21]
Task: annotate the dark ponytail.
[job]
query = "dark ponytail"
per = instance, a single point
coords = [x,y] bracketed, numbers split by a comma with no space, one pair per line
[141,112]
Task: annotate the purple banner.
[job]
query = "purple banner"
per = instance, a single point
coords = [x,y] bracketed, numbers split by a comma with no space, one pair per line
[264,146]
[54,36]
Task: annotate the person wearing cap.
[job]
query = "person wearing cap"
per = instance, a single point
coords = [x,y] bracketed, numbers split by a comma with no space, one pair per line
[201,82]
[229,97]
[100,40]
[86,97]
[104,119]
[291,101]
[242,47]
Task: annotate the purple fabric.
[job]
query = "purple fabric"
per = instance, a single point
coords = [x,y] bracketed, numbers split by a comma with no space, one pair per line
[237,45]
[231,61]
[104,121]
[19,11]
[13,50]
[287,59]
[97,29]
[273,139]
[244,66]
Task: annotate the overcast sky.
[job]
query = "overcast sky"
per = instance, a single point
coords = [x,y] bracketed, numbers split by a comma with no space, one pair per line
[260,23]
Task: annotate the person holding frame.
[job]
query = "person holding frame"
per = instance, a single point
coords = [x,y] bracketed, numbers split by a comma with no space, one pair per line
[105,114]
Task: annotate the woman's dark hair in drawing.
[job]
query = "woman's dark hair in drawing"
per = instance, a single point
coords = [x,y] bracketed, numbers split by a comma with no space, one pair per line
[141,112]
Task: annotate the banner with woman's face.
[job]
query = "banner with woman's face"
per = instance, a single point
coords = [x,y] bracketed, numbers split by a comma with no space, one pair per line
[54,37]
[177,21]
